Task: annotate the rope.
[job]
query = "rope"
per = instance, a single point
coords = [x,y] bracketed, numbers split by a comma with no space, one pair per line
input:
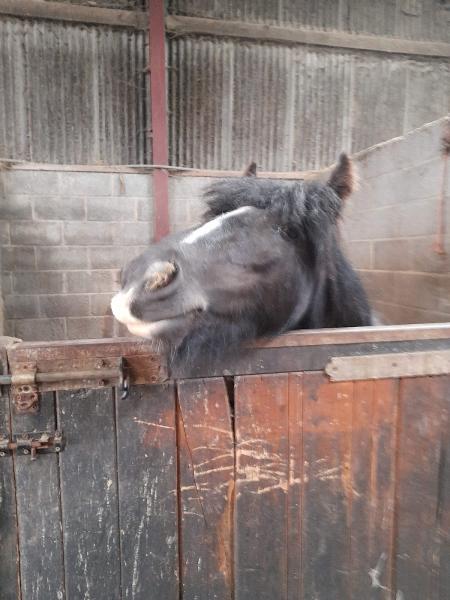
[439,245]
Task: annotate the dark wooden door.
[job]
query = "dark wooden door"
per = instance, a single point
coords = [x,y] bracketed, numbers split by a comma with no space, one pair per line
[276,486]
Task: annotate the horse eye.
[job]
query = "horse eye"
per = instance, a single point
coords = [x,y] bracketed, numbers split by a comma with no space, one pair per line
[165,274]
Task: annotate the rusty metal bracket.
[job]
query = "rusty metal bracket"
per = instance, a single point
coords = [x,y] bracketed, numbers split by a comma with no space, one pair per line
[25,390]
[41,442]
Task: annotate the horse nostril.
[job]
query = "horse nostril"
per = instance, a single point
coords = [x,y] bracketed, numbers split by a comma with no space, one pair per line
[165,274]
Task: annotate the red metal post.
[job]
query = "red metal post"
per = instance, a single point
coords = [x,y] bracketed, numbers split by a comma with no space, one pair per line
[159,126]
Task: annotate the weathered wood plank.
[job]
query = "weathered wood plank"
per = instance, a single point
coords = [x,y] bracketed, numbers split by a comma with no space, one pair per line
[374,437]
[297,351]
[9,563]
[147,466]
[308,358]
[40,9]
[262,478]
[443,504]
[358,335]
[39,512]
[327,414]
[89,494]
[422,457]
[206,488]
[182,25]
[72,349]
[295,487]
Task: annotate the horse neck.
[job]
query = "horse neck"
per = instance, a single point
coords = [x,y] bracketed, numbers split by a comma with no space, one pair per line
[338,299]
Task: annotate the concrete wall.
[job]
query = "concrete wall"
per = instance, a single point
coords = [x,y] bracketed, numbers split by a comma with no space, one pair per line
[66,234]
[390,226]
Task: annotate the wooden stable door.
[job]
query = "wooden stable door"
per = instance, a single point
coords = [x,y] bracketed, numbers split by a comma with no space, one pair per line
[251,487]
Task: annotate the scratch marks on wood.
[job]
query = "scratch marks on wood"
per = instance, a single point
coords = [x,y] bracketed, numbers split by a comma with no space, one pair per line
[41,548]
[89,493]
[182,436]
[377,572]
[328,495]
[262,482]
[206,487]
[261,467]
[149,424]
[422,550]
[148,508]
[374,442]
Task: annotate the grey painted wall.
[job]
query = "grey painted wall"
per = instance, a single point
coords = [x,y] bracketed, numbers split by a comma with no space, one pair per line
[390,226]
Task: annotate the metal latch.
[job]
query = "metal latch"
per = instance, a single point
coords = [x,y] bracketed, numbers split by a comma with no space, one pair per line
[25,381]
[41,442]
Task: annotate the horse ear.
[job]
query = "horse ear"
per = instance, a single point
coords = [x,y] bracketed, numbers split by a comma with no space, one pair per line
[342,178]
[250,171]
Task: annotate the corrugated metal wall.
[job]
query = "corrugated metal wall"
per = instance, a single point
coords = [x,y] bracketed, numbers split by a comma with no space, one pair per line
[296,107]
[292,107]
[72,93]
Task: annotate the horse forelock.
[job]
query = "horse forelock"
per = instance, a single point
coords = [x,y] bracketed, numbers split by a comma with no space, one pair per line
[304,210]
[211,226]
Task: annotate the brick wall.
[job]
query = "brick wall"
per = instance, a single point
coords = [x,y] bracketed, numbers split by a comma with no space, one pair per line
[65,235]
[390,227]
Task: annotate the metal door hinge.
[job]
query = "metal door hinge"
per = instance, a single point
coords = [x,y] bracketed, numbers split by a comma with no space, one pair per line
[385,366]
[40,442]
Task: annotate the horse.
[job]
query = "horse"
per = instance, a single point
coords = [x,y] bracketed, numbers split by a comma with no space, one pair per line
[266,259]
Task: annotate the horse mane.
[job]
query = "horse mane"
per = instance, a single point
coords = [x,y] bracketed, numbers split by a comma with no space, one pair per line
[301,209]
[306,212]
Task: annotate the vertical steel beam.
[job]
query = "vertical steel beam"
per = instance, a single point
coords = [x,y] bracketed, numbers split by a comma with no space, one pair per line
[159,125]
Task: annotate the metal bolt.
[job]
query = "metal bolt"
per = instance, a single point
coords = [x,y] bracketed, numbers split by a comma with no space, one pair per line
[26,451]
[2,453]
[57,449]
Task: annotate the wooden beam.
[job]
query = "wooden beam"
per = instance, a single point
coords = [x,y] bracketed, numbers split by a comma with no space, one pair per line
[71,349]
[56,11]
[159,125]
[180,25]
[173,170]
[145,366]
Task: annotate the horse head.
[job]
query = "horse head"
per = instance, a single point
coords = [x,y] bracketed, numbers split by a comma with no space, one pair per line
[265,260]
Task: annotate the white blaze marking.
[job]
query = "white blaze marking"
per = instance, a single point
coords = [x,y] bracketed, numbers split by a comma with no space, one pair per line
[210,226]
